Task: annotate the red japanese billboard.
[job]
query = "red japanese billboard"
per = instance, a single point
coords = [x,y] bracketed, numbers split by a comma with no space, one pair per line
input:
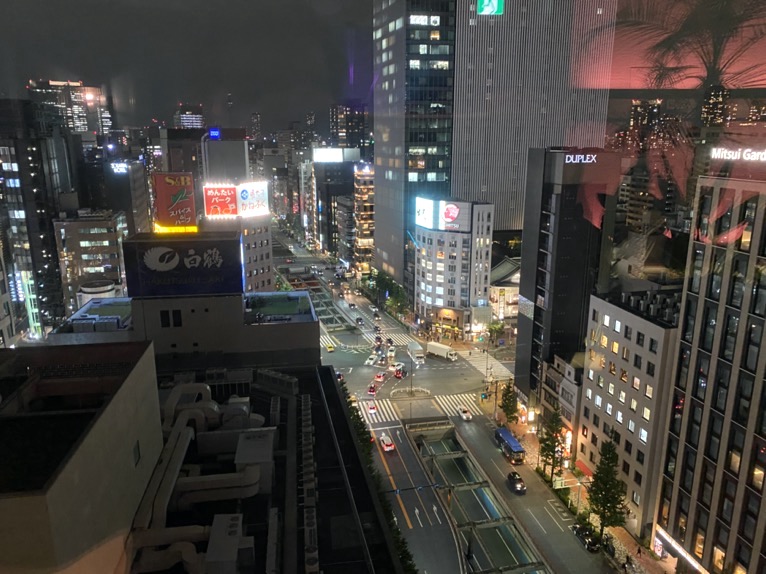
[174,200]
[220,200]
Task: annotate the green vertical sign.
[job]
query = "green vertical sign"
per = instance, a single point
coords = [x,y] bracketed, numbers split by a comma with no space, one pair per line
[491,7]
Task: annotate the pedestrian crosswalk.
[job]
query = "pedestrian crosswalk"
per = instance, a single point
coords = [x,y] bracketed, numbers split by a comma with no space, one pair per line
[450,403]
[398,338]
[486,364]
[385,411]
[326,340]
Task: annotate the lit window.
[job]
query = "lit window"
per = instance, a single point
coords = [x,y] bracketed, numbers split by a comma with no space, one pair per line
[631,426]
[649,392]
[414,64]
[643,435]
[590,374]
[606,320]
[588,393]
[598,401]
[618,416]
[636,383]
[609,408]
[610,389]
[633,405]
[615,347]
[617,325]
[646,414]
[604,341]
[621,397]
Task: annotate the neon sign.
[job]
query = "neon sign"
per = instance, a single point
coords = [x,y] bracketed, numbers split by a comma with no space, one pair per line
[746,154]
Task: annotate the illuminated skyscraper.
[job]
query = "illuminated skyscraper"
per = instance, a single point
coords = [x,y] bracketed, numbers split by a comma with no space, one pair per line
[349,125]
[65,103]
[715,106]
[188,116]
[256,132]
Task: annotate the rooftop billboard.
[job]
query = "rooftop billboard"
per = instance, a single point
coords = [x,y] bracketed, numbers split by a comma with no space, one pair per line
[443,215]
[170,265]
[220,200]
[174,200]
[249,199]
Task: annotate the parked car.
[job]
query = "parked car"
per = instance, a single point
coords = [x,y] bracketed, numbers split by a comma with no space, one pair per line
[464,413]
[371,360]
[516,483]
[587,536]
[387,443]
[380,377]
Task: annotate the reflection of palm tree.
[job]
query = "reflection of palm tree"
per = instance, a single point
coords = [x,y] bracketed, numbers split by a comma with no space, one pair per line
[703,40]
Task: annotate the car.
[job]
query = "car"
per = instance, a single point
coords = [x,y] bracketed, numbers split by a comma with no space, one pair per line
[288,260]
[339,376]
[389,341]
[378,340]
[340,295]
[357,292]
[352,305]
[387,443]
[382,360]
[516,483]
[371,360]
[464,413]
[372,408]
[586,534]
[391,353]
[400,373]
[372,389]
[330,348]
[378,329]
[396,367]
[376,316]
[360,321]
[380,377]
[373,308]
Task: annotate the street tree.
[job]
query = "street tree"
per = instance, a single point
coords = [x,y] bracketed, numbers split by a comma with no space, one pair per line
[495,329]
[552,441]
[606,494]
[509,403]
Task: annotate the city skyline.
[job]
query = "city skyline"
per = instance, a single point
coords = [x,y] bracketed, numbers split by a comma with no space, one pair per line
[152,56]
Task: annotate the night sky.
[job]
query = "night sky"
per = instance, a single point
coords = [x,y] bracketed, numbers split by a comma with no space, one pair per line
[279,57]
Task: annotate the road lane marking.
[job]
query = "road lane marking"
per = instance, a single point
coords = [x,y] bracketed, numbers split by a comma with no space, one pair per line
[536,520]
[554,520]
[436,514]
[506,546]
[417,515]
[393,483]
[412,482]
[502,472]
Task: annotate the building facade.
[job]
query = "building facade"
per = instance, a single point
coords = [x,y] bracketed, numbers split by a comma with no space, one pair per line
[452,268]
[631,348]
[350,126]
[90,256]
[364,217]
[69,104]
[189,116]
[711,510]
[413,66]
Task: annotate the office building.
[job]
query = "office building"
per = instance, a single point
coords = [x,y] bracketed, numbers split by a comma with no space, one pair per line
[470,139]
[453,241]
[225,156]
[350,126]
[344,216]
[70,104]
[571,197]
[256,129]
[413,98]
[332,176]
[364,218]
[505,104]
[188,116]
[710,512]
[90,256]
[715,107]
[127,190]
[504,282]
[626,398]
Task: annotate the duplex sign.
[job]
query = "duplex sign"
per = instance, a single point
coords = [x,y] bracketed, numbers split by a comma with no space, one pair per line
[580,158]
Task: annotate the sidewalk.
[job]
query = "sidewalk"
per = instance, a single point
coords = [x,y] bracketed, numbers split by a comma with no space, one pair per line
[625,544]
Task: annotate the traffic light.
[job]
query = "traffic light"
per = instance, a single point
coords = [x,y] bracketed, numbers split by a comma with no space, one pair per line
[481,339]
[484,396]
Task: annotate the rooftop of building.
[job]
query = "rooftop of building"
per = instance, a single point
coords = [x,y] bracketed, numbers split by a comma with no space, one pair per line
[278,307]
[50,396]
[90,215]
[660,307]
